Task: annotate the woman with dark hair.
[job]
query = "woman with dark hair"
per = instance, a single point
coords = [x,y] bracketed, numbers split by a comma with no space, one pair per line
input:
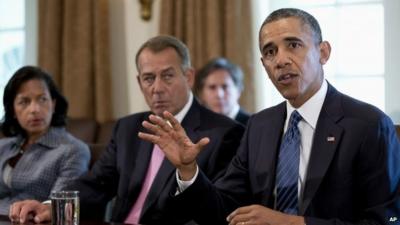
[38,155]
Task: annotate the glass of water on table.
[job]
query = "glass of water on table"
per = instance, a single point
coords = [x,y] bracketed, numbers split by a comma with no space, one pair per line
[65,207]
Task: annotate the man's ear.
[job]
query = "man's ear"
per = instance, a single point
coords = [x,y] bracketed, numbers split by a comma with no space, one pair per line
[138,80]
[265,67]
[190,73]
[263,64]
[325,52]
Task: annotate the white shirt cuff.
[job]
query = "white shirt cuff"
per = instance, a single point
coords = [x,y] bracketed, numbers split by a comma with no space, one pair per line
[183,185]
[46,202]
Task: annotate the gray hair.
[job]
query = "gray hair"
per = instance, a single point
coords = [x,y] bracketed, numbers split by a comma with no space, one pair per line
[162,42]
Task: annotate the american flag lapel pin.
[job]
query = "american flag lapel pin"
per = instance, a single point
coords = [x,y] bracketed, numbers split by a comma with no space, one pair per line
[393,219]
[330,139]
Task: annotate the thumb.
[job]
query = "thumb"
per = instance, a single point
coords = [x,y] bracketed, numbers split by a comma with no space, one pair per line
[37,219]
[203,142]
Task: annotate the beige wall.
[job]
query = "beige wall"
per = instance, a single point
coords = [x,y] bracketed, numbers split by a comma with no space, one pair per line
[128,32]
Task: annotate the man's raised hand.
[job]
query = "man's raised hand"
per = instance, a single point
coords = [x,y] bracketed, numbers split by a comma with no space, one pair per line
[170,136]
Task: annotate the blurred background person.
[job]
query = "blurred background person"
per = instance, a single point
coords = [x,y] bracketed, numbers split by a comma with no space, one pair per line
[37,155]
[218,86]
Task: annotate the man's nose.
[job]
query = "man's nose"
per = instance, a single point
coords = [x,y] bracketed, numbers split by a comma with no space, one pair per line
[158,85]
[282,59]
[220,92]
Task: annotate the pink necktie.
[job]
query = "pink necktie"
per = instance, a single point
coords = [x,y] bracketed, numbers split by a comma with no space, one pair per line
[156,159]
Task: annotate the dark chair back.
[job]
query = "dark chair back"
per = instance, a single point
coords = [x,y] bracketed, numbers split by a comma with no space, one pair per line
[104,132]
[84,129]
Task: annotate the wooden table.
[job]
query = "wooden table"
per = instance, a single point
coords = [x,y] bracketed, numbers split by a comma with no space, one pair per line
[5,221]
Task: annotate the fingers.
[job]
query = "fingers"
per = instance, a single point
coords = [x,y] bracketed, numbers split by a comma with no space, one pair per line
[161,128]
[241,219]
[240,223]
[157,126]
[160,123]
[21,212]
[238,211]
[169,123]
[154,128]
[14,212]
[173,122]
[239,216]
[166,124]
[27,210]
[24,214]
[43,215]
[170,136]
[149,137]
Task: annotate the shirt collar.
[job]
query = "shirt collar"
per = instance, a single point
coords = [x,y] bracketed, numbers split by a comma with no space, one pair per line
[310,109]
[181,114]
[50,139]
[233,113]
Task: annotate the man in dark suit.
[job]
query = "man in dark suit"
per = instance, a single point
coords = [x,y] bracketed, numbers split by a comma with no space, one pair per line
[123,171]
[346,160]
[218,85]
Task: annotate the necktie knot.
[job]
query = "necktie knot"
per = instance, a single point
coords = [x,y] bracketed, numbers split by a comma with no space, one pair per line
[294,118]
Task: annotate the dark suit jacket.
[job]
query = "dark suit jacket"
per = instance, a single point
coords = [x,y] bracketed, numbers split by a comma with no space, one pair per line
[121,170]
[352,177]
[242,117]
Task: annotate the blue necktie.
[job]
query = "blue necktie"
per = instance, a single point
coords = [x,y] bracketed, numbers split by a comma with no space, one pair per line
[288,168]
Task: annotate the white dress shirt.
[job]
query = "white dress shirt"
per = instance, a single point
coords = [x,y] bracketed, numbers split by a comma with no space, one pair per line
[233,113]
[181,114]
[309,111]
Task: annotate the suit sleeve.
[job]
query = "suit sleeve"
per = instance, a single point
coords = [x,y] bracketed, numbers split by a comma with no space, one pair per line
[214,200]
[223,152]
[75,163]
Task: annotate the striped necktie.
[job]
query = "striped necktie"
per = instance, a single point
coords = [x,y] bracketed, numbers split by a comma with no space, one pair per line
[288,168]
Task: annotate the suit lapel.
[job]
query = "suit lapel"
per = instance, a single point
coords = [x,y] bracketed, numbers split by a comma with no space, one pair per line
[142,156]
[266,160]
[327,137]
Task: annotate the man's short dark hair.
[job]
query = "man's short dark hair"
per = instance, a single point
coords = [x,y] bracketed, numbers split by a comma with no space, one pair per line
[10,125]
[216,64]
[304,17]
